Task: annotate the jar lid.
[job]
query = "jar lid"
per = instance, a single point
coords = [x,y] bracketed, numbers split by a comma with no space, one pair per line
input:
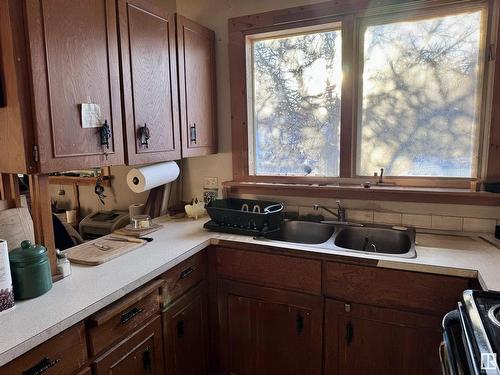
[28,252]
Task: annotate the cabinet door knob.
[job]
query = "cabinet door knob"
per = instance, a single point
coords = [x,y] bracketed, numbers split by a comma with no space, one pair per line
[192,133]
[349,333]
[105,134]
[300,324]
[147,363]
[144,135]
[180,329]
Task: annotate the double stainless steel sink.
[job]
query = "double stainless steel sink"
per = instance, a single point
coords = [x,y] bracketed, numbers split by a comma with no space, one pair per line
[374,239]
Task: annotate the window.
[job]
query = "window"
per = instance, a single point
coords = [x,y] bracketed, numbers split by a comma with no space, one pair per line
[295,85]
[335,93]
[420,101]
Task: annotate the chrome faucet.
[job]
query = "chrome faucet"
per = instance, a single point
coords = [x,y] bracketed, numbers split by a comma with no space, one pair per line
[340,214]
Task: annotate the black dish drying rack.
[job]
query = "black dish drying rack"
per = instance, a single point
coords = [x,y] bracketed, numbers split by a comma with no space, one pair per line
[244,216]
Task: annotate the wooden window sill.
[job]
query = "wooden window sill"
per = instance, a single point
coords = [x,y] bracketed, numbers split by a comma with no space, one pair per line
[381,193]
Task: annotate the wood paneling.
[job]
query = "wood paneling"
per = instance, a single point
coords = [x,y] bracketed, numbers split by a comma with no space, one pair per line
[268,331]
[197,87]
[41,212]
[397,194]
[74,59]
[64,353]
[300,274]
[139,353]
[185,332]
[393,288]
[183,277]
[378,341]
[15,118]
[123,317]
[147,38]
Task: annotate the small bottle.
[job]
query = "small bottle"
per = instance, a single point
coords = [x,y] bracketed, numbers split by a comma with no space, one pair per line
[63,264]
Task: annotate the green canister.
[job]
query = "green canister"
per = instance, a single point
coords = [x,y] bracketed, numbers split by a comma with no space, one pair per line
[30,268]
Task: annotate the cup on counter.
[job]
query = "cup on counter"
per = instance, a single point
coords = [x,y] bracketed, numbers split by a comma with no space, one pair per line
[141,221]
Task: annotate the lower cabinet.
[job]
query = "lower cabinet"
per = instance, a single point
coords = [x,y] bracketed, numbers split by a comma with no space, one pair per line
[185,330]
[139,353]
[269,331]
[361,339]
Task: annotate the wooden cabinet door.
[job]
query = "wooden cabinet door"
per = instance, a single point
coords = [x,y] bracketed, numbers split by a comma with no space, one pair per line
[74,60]
[197,86]
[140,353]
[148,58]
[362,339]
[268,331]
[185,325]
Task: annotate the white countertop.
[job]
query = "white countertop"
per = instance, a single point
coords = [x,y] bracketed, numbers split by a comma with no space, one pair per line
[89,289]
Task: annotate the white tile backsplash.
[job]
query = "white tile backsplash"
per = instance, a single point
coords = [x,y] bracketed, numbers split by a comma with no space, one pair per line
[360,216]
[447,222]
[390,218]
[479,225]
[417,221]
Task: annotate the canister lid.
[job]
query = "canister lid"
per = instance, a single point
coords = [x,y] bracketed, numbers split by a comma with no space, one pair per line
[28,252]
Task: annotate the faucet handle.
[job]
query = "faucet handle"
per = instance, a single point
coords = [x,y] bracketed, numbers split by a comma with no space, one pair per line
[339,204]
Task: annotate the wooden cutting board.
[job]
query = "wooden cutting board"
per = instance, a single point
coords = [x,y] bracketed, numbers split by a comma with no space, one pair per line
[89,254]
[16,225]
[126,231]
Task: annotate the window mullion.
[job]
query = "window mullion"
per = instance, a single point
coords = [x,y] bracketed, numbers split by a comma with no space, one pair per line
[347,104]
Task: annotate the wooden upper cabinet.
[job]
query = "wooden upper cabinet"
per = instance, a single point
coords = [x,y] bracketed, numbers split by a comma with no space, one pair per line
[197,87]
[73,53]
[147,38]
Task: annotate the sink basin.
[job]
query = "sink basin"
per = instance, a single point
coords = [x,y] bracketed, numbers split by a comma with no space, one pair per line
[376,240]
[303,232]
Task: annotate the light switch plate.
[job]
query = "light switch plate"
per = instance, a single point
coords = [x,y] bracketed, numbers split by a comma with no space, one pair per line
[210,183]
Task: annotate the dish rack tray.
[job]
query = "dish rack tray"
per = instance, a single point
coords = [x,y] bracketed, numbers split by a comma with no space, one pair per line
[245,214]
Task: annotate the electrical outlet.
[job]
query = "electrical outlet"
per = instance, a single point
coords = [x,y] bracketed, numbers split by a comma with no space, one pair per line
[209,195]
[210,182]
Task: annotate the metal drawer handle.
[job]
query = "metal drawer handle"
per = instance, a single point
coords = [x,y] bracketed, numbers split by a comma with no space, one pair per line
[129,315]
[192,133]
[188,271]
[41,366]
[349,334]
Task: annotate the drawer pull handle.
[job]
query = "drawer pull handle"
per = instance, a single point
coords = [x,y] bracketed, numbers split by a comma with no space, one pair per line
[186,272]
[129,315]
[41,366]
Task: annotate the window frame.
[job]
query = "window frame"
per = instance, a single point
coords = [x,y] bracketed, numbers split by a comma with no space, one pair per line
[352,17]
[249,71]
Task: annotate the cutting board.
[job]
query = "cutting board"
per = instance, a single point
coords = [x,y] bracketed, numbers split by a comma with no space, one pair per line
[126,231]
[16,225]
[89,254]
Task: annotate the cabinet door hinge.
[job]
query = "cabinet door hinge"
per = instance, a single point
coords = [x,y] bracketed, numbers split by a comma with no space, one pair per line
[35,154]
[491,52]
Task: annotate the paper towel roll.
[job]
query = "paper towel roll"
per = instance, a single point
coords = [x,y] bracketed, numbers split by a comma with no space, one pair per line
[135,209]
[147,178]
[6,292]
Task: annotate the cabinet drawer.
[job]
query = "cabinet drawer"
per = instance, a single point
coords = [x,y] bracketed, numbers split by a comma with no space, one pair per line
[122,317]
[182,277]
[279,271]
[393,288]
[139,353]
[62,354]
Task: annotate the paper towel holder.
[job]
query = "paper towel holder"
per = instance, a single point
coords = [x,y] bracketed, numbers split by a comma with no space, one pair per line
[135,181]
